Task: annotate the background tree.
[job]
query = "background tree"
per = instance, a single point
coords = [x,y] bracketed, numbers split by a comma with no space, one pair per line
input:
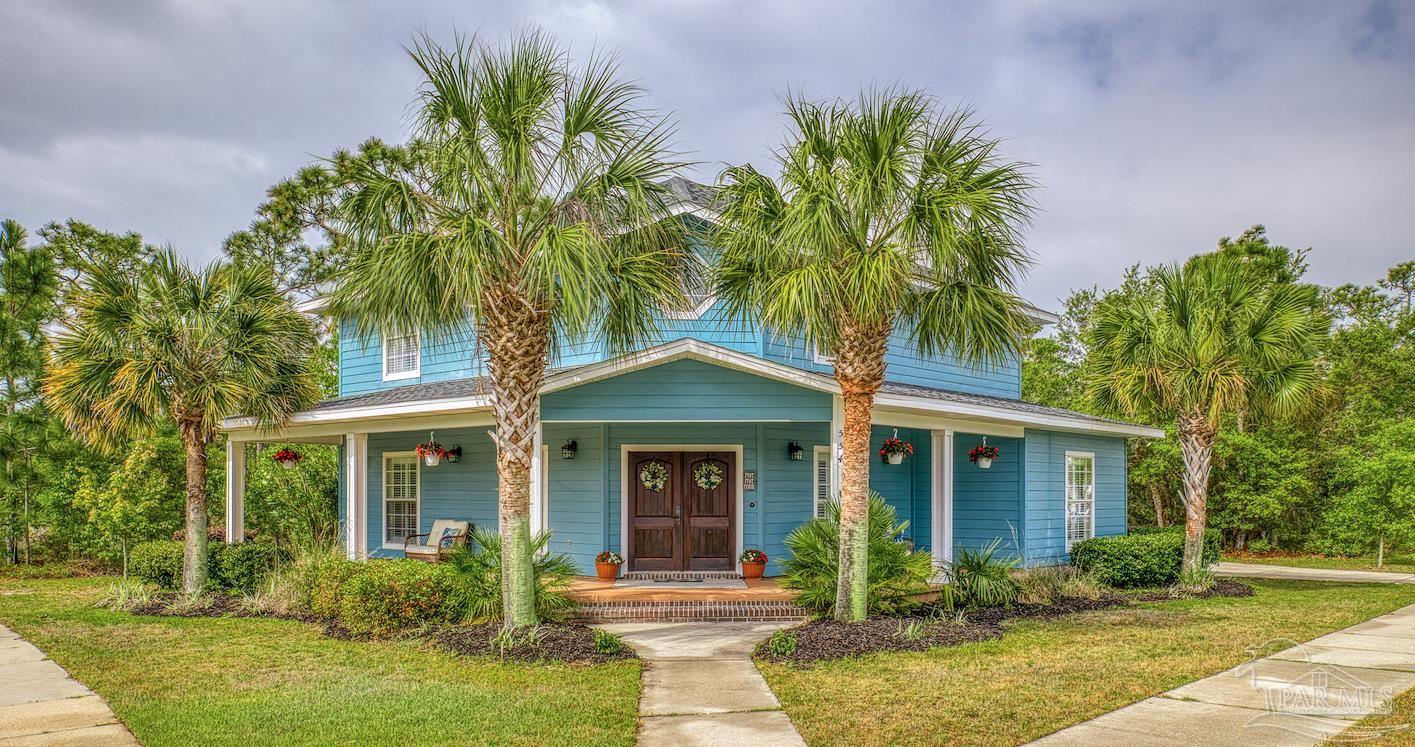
[194,346]
[141,500]
[889,215]
[530,200]
[1218,338]
[1374,503]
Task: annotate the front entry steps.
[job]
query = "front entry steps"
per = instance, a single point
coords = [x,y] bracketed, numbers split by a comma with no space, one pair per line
[691,610]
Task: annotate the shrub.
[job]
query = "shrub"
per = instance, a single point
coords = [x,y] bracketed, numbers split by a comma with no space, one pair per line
[607,643]
[396,596]
[1047,585]
[245,566]
[479,564]
[158,562]
[781,644]
[978,578]
[328,580]
[1151,558]
[126,595]
[897,572]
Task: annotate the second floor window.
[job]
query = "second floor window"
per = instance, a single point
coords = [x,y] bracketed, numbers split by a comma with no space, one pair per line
[400,357]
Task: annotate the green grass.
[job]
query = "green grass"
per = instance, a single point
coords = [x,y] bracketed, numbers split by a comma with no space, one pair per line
[253,681]
[1045,675]
[1398,561]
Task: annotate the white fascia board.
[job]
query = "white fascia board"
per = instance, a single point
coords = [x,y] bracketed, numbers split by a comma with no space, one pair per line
[687,349]
[315,306]
[374,412]
[1033,419]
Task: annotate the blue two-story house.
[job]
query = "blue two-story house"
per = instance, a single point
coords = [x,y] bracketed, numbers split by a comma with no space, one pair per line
[763,408]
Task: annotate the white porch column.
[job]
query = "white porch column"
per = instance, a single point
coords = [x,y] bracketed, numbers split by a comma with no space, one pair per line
[941,538]
[537,481]
[837,443]
[235,491]
[356,494]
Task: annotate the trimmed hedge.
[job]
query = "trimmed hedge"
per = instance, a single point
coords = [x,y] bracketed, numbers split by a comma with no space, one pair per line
[1147,558]
[327,594]
[397,596]
[240,567]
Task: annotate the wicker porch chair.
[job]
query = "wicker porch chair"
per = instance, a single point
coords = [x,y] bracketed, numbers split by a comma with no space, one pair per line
[446,536]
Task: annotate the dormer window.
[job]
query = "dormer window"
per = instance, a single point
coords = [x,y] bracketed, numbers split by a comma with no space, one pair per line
[697,291]
[400,357]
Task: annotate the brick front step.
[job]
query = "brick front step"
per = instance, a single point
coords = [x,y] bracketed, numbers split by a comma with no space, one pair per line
[691,611]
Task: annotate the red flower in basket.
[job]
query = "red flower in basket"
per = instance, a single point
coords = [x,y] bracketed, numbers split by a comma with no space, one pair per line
[894,450]
[983,455]
[287,457]
[753,563]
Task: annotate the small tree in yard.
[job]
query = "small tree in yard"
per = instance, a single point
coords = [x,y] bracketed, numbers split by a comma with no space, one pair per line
[195,346]
[1216,337]
[1375,502]
[889,215]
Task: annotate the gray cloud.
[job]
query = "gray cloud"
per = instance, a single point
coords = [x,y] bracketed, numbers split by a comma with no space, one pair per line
[1155,128]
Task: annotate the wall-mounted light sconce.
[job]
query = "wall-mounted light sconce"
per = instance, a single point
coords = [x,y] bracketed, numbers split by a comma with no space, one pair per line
[454,455]
[568,449]
[795,451]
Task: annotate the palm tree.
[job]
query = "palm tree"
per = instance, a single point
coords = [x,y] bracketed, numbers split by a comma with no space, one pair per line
[889,215]
[1213,338]
[191,345]
[530,201]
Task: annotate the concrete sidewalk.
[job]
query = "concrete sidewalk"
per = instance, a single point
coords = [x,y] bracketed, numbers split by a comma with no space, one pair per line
[40,704]
[1258,570]
[702,688]
[1302,695]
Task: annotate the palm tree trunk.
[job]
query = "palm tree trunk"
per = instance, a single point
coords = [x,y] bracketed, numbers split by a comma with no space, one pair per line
[194,554]
[859,369]
[1196,440]
[517,340]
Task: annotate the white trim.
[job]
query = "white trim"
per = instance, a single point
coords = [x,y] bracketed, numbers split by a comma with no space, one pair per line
[1066,497]
[235,492]
[356,495]
[816,453]
[417,368]
[544,488]
[941,498]
[624,450]
[692,313]
[837,441]
[819,358]
[383,495]
[537,480]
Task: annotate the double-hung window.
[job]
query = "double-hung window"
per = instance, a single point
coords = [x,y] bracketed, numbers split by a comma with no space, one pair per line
[820,474]
[400,357]
[400,497]
[1080,497]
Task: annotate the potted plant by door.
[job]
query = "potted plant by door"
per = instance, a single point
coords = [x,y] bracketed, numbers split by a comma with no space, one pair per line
[895,449]
[983,455]
[606,565]
[753,563]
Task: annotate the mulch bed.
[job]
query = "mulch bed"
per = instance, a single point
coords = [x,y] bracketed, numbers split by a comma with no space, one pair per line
[825,640]
[561,642]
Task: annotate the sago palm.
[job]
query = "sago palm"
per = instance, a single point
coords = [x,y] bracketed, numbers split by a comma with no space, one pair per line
[195,346]
[530,201]
[889,215]
[1213,338]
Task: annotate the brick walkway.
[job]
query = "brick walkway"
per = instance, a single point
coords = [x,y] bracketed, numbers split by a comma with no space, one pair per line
[40,704]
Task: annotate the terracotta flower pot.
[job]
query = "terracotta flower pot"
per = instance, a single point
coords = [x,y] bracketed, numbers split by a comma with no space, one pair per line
[753,570]
[606,571]
[896,458]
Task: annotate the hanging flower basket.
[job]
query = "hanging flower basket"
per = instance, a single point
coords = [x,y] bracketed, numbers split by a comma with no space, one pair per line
[654,476]
[707,475]
[287,458]
[431,452]
[894,450]
[983,455]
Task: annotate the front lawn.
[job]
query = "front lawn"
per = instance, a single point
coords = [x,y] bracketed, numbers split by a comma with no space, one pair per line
[1395,562]
[1045,675]
[181,681]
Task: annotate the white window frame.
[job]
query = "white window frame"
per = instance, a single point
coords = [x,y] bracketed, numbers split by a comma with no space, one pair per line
[1066,485]
[818,454]
[416,371]
[697,310]
[388,456]
[821,358]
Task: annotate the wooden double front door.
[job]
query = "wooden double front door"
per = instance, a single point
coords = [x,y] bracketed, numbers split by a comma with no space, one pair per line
[676,523]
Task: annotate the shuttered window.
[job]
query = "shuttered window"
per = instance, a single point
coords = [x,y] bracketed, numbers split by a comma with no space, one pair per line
[400,497]
[821,466]
[1080,498]
[400,356]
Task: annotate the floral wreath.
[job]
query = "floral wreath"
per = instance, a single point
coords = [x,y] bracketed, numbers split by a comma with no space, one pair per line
[654,476]
[707,475]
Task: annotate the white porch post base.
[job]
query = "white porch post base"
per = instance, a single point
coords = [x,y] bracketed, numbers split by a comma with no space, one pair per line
[235,491]
[356,495]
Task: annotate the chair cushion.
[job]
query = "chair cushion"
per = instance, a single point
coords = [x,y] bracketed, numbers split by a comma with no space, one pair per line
[450,537]
[421,550]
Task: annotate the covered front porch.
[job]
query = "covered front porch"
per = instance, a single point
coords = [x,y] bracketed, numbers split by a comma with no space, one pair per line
[681,457]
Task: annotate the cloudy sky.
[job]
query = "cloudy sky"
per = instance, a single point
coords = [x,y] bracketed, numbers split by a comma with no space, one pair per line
[1154,128]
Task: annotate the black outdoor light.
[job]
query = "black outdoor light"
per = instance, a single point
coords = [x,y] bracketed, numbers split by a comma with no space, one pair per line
[795,451]
[568,449]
